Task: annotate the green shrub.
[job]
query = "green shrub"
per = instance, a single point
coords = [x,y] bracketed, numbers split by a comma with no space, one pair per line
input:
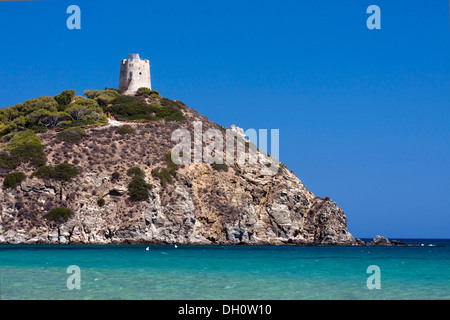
[38,129]
[164,175]
[114,89]
[62,172]
[27,153]
[135,171]
[171,166]
[172,103]
[44,172]
[83,108]
[220,167]
[138,189]
[15,118]
[125,130]
[101,202]
[103,97]
[91,94]
[13,179]
[71,135]
[167,174]
[59,215]
[65,172]
[181,105]
[46,118]
[23,138]
[23,147]
[149,92]
[115,175]
[64,98]
[144,90]
[90,119]
[131,108]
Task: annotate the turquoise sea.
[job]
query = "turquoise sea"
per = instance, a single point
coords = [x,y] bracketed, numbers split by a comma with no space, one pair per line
[225,272]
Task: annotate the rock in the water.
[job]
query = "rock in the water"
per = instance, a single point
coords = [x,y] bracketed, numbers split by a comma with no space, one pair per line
[380,241]
[398,243]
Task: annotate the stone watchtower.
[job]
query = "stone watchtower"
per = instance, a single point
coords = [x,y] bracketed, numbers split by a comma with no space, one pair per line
[134,74]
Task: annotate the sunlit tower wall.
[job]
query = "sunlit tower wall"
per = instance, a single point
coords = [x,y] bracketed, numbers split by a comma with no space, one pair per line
[134,74]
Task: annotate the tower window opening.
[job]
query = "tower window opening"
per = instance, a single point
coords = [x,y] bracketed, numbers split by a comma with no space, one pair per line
[131,75]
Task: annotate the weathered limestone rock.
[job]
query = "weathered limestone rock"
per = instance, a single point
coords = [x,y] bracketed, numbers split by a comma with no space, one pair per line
[380,241]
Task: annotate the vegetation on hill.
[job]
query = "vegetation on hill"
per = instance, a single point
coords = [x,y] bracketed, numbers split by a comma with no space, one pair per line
[167,174]
[64,99]
[22,147]
[125,130]
[13,179]
[101,202]
[66,110]
[69,115]
[58,215]
[102,97]
[138,188]
[44,113]
[220,167]
[131,108]
[61,172]
[148,93]
[73,135]
[135,171]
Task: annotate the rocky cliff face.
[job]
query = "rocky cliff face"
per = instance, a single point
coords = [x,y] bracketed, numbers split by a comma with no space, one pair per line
[203,205]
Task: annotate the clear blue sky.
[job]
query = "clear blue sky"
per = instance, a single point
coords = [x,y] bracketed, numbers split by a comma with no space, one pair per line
[363,114]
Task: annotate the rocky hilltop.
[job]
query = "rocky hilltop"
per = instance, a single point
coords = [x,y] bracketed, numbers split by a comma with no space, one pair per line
[111,181]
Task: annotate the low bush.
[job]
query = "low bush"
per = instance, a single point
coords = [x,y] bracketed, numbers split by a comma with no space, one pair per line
[48,119]
[23,147]
[13,179]
[138,189]
[167,175]
[64,98]
[131,108]
[101,202]
[164,175]
[82,108]
[125,130]
[172,103]
[59,215]
[149,92]
[15,118]
[115,175]
[171,166]
[65,172]
[135,171]
[71,135]
[220,167]
[103,97]
[61,172]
